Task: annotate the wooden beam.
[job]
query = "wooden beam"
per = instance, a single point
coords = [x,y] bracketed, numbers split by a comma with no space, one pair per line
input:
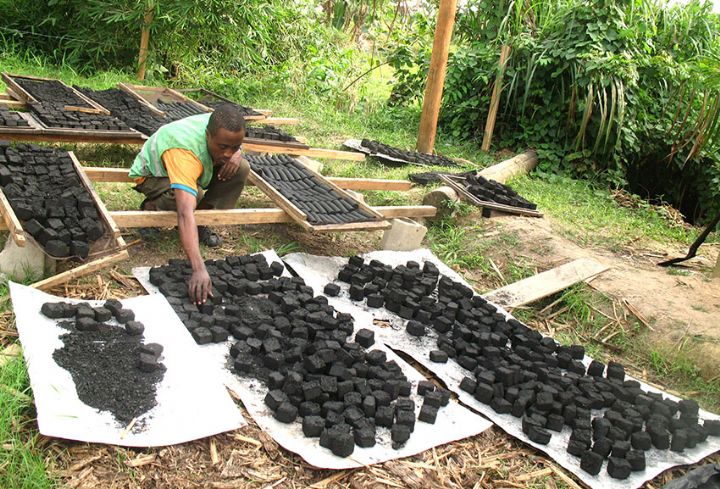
[145,40]
[436,76]
[11,221]
[495,98]
[279,121]
[120,175]
[129,89]
[109,223]
[13,104]
[517,165]
[80,271]
[546,283]
[311,152]
[231,217]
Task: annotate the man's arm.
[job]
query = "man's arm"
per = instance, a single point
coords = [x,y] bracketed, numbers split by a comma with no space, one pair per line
[199,285]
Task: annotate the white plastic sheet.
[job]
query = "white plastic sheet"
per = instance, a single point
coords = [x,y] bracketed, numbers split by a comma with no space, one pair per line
[191,402]
[454,422]
[318,271]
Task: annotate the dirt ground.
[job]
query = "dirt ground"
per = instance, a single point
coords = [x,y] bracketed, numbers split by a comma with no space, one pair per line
[677,307]
[248,458]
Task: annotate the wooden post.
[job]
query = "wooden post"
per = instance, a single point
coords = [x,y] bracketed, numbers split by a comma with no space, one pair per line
[495,99]
[144,40]
[436,76]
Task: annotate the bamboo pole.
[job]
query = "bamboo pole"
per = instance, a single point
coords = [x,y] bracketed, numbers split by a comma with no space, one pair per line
[495,99]
[436,76]
[144,41]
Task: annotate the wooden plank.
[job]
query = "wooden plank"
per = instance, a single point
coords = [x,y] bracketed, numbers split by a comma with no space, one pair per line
[351,226]
[517,165]
[80,271]
[129,89]
[546,283]
[265,112]
[5,96]
[65,136]
[280,146]
[17,89]
[114,229]
[120,175]
[231,217]
[311,152]
[11,221]
[184,98]
[436,76]
[463,193]
[296,214]
[279,121]
[13,104]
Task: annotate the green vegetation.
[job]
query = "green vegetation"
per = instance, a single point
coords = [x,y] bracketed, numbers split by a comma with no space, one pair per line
[22,465]
[621,92]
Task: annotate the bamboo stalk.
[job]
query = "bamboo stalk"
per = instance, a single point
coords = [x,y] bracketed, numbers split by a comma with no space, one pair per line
[144,41]
[495,98]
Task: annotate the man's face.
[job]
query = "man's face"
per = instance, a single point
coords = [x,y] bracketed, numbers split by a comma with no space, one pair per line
[223,144]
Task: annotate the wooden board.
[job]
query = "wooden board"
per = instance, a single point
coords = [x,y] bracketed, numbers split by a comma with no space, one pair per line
[545,283]
[95,108]
[109,223]
[281,121]
[13,104]
[281,146]
[11,221]
[154,94]
[80,271]
[217,97]
[126,88]
[311,152]
[233,217]
[464,194]
[120,175]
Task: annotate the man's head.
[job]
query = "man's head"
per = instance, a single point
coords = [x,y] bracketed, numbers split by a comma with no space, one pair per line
[225,133]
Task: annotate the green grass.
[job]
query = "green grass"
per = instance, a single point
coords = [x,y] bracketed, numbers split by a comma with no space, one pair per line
[590,216]
[21,464]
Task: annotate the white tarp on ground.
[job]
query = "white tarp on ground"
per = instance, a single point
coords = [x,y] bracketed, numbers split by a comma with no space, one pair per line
[191,402]
[319,270]
[454,422]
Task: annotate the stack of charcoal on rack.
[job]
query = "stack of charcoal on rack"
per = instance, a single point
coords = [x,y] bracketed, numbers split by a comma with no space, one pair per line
[270,133]
[9,118]
[520,373]
[52,99]
[479,186]
[379,149]
[47,196]
[176,110]
[343,392]
[321,203]
[127,108]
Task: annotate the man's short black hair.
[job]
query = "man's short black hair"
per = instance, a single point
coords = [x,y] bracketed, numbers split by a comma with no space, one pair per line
[226,116]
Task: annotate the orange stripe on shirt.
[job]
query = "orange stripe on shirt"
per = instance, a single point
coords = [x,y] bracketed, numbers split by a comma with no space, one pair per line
[183,169]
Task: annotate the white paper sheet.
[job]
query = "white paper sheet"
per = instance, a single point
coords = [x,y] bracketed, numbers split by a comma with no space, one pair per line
[318,271]
[454,422]
[191,402]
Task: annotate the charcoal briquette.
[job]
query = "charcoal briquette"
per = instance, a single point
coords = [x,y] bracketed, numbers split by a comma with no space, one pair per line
[332,289]
[384,415]
[539,435]
[147,362]
[286,412]
[620,448]
[154,349]
[555,422]
[425,386]
[602,447]
[313,426]
[342,444]
[591,462]
[202,336]
[86,324]
[365,337]
[468,385]
[636,459]
[618,468]
[428,414]
[364,437]
[219,334]
[375,300]
[405,417]
[712,426]
[400,433]
[124,315]
[679,441]
[415,328]
[438,356]
[576,448]
[596,369]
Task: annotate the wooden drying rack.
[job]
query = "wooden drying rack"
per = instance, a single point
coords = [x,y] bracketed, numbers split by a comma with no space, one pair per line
[113,251]
[451,181]
[25,96]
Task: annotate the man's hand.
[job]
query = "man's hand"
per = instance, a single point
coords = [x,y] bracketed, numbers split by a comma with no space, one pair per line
[199,287]
[229,169]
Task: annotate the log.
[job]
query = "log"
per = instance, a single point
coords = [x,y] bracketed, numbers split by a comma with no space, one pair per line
[505,170]
[443,199]
[436,76]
